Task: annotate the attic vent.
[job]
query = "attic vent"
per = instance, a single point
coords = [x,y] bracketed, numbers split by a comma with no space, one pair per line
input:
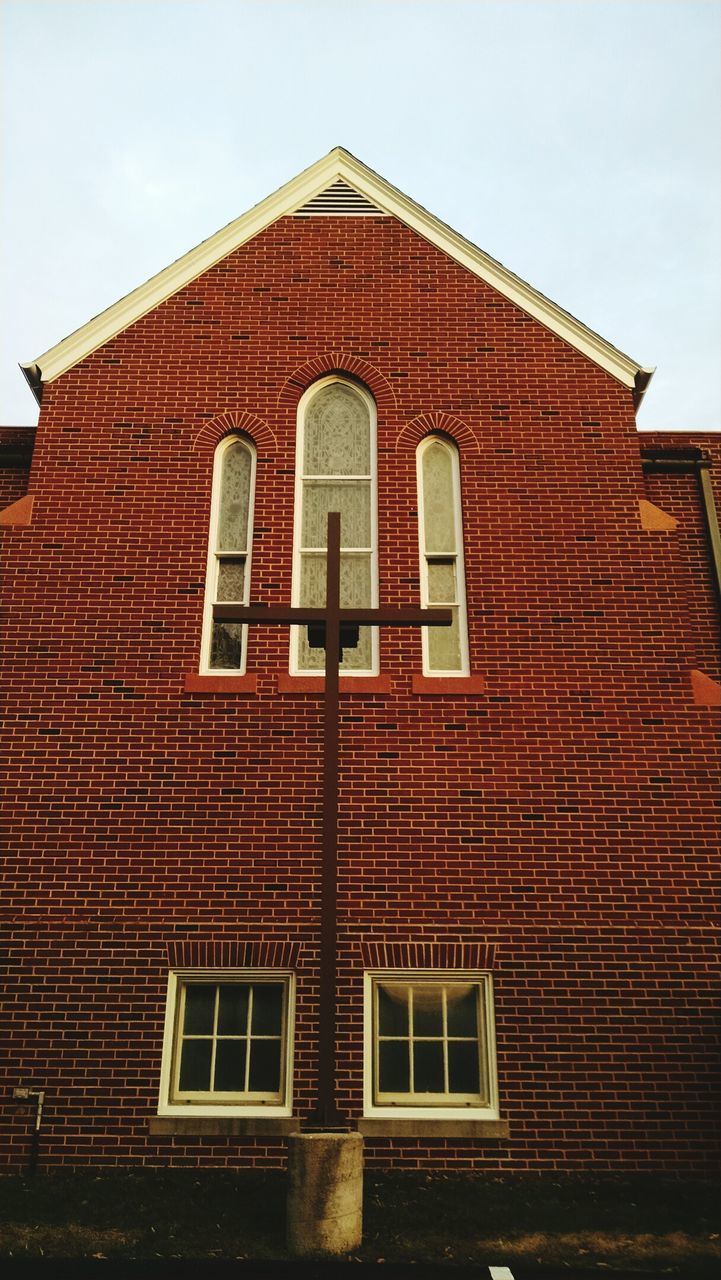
[339,200]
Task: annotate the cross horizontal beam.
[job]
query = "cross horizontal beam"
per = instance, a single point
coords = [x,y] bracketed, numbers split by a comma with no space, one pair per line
[357,617]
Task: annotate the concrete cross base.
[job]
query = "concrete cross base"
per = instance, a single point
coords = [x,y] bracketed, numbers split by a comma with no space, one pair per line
[325,1194]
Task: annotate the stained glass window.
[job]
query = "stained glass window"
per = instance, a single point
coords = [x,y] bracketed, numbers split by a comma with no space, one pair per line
[336,461]
[229,561]
[445,649]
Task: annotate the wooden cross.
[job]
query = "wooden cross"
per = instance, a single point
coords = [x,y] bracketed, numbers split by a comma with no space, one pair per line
[333,622]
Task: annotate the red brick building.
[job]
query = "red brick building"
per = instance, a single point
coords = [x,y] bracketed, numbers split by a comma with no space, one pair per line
[529,808]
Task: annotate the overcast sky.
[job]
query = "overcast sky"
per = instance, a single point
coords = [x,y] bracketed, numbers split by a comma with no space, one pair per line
[578,141]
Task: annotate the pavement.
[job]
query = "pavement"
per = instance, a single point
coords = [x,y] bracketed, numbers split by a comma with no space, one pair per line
[241,1269]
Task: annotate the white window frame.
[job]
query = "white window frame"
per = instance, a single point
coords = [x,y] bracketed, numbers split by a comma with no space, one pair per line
[424,557]
[437,1111]
[215,559]
[294,667]
[167,1106]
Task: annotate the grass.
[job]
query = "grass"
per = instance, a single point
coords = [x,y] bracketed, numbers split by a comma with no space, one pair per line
[627,1224]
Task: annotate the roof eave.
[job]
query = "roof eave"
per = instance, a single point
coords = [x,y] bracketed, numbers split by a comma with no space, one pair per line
[34,379]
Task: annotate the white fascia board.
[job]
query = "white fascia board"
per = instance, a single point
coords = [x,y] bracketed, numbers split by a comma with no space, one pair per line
[337,164]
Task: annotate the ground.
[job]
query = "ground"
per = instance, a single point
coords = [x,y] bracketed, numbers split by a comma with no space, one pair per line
[641,1224]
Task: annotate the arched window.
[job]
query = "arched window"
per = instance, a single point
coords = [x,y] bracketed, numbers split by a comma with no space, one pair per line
[228,581]
[336,471]
[445,649]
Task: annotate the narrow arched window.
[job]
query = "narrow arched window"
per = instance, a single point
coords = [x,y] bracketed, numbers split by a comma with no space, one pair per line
[445,649]
[228,581]
[336,471]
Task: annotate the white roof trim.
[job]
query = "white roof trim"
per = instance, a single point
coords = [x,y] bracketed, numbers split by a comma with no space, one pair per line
[338,164]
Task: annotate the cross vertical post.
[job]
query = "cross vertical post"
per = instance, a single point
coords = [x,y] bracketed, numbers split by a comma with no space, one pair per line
[327,1113]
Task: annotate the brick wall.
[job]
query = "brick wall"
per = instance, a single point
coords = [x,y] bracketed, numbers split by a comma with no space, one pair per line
[567,814]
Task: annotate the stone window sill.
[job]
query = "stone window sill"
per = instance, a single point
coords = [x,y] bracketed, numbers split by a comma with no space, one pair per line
[347,684]
[454,685]
[221,1126]
[408,1127]
[220,684]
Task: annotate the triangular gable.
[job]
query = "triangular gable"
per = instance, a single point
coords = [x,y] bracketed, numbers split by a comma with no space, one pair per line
[339,183]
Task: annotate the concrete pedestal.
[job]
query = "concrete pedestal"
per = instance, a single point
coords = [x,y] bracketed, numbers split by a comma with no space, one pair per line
[325,1194]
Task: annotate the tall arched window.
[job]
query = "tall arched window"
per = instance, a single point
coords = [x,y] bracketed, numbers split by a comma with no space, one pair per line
[445,649]
[336,471]
[228,580]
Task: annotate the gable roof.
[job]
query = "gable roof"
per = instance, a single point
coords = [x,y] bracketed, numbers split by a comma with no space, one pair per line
[327,187]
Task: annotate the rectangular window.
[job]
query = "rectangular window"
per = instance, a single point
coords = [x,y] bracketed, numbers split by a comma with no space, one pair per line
[430,1044]
[228,1042]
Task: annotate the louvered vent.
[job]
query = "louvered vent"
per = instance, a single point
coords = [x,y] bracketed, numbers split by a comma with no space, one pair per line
[339,201]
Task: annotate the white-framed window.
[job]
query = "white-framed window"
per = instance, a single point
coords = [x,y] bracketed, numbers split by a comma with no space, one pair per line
[336,471]
[430,1045]
[440,529]
[228,1043]
[223,649]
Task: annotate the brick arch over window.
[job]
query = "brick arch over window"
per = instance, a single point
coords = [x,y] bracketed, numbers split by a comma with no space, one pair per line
[410,435]
[337,362]
[212,432]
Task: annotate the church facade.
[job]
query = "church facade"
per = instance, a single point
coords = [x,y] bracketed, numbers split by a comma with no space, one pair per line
[529,807]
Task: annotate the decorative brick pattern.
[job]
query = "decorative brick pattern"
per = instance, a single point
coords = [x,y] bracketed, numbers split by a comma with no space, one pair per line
[338,362]
[249,424]
[227,953]
[566,813]
[426,424]
[427,955]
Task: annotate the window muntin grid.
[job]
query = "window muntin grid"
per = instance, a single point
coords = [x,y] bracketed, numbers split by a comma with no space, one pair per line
[336,471]
[445,649]
[230,1042]
[430,1043]
[228,576]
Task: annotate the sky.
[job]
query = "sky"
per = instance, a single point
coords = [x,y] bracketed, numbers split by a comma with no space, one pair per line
[577,141]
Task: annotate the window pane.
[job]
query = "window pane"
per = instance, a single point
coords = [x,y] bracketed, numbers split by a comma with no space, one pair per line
[234,499]
[233,1009]
[463,1073]
[195,1066]
[264,1066]
[337,433]
[428,1010]
[267,1009]
[355,592]
[438,503]
[462,1010]
[393,1066]
[226,644]
[428,1067]
[230,1066]
[441,582]
[392,1010]
[354,503]
[444,646]
[231,580]
[199,1006]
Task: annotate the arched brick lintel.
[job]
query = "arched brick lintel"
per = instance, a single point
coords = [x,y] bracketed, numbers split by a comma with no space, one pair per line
[337,362]
[426,424]
[212,432]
